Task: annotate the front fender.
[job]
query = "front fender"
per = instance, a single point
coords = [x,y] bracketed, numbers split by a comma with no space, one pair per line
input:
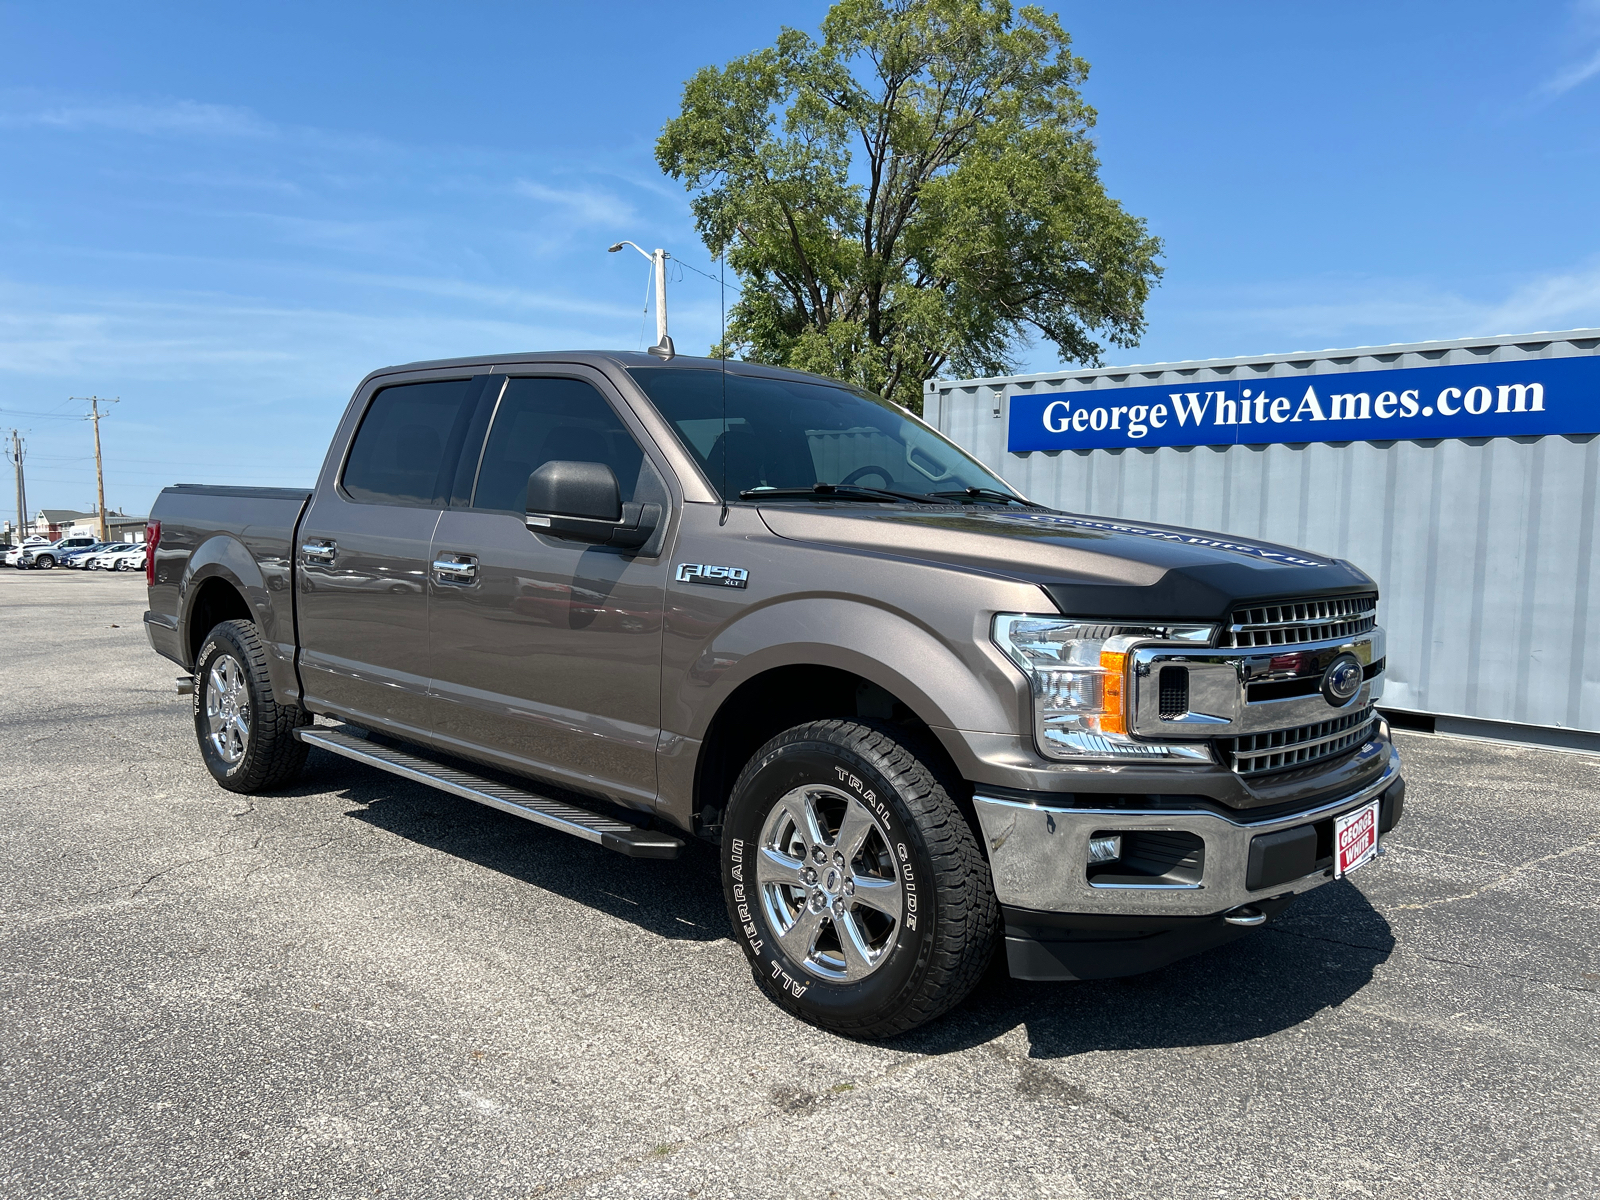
[266,592]
[955,682]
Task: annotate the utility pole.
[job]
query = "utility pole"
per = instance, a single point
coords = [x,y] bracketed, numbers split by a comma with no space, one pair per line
[663,347]
[15,455]
[99,473]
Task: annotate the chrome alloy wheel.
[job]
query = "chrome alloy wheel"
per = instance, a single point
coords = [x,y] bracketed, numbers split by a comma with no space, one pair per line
[828,881]
[228,708]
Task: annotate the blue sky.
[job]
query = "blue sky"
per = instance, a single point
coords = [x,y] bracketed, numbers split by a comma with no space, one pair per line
[226,215]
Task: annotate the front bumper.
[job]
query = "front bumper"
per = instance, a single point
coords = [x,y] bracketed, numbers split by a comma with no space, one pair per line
[1040,858]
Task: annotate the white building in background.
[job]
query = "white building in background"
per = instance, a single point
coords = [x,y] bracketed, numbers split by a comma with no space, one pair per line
[120,526]
[55,523]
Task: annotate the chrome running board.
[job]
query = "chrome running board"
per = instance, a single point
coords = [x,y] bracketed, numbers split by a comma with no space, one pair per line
[553,814]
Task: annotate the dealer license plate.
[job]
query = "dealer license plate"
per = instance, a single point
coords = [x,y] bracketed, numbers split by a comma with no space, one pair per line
[1355,839]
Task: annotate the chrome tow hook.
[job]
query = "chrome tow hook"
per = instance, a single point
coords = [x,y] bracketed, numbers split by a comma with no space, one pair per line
[1245,914]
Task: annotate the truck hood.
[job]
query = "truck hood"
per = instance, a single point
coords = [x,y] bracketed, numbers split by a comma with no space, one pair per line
[1089,566]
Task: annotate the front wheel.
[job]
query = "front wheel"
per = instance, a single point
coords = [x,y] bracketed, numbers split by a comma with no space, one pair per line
[246,736]
[856,887]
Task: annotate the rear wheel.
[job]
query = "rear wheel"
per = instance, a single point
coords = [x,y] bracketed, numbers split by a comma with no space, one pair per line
[45,562]
[856,887]
[246,736]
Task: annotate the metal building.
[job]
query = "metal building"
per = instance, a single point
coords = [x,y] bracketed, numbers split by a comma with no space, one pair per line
[1461,475]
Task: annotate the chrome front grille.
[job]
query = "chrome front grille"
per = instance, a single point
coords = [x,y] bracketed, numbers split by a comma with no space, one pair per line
[1296,622]
[1284,749]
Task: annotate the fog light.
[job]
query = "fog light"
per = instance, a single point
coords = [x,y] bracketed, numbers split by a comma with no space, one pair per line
[1104,849]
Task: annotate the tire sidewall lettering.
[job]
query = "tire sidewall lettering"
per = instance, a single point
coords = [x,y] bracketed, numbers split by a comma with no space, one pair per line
[207,652]
[876,805]
[810,762]
[213,647]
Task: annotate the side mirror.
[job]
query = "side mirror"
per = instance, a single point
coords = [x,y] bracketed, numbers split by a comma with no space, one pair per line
[580,502]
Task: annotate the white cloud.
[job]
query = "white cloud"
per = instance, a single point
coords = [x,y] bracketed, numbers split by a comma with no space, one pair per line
[584,206]
[1566,300]
[1586,20]
[1572,76]
[1315,314]
[250,386]
[251,348]
[180,117]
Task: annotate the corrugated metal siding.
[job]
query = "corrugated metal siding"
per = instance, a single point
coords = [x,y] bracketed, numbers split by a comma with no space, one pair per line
[1483,548]
[837,453]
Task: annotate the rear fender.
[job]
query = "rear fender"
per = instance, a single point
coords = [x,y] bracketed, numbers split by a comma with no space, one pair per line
[224,557]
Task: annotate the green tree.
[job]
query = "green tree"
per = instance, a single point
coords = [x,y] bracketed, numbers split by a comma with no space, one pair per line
[917,190]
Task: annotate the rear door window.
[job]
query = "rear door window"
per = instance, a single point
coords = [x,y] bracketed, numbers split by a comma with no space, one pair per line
[406,449]
[550,419]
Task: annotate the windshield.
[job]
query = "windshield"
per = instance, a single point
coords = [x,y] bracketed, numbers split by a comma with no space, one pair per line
[784,433]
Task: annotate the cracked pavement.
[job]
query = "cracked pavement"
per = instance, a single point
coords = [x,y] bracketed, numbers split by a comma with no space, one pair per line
[364,988]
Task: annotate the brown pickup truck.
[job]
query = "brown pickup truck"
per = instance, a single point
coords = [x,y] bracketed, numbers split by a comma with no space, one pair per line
[639,601]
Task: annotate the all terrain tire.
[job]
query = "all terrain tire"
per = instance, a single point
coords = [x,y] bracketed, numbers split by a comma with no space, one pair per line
[855,885]
[246,735]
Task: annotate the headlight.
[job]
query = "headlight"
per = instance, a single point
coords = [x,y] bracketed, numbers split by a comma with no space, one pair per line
[1080,683]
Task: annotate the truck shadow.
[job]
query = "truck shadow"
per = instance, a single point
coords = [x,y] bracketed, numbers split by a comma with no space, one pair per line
[679,898]
[1319,953]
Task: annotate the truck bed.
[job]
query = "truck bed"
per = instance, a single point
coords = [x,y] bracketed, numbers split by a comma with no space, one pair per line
[243,536]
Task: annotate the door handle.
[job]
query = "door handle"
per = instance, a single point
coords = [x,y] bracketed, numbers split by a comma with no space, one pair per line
[456,568]
[323,552]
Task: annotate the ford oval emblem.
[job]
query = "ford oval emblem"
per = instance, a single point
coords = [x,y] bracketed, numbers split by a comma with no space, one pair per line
[1342,680]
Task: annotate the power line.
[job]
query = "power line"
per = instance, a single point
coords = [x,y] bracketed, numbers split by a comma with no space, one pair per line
[698,271]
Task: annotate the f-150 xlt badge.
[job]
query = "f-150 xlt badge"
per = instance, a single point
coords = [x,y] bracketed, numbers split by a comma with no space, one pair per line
[734,577]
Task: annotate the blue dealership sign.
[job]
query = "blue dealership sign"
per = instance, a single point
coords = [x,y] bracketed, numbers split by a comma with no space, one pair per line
[1524,398]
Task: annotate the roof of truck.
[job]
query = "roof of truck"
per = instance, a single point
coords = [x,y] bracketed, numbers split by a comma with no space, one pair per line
[621,358]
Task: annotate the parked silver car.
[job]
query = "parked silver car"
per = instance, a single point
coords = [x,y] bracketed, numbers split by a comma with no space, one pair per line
[45,555]
[80,558]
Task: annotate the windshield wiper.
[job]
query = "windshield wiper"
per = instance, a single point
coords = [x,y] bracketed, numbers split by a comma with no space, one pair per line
[833,491]
[979,493]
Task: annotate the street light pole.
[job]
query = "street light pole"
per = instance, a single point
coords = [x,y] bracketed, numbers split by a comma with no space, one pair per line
[663,347]
[99,473]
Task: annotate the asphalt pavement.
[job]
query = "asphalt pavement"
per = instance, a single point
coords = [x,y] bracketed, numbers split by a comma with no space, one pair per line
[366,988]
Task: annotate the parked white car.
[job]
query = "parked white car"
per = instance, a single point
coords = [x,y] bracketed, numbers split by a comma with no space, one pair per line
[46,554]
[126,560]
[14,555]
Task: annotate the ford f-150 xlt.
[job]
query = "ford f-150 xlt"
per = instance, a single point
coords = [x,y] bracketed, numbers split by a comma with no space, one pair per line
[638,601]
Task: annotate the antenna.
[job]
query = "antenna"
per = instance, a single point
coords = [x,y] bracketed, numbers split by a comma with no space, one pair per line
[722,356]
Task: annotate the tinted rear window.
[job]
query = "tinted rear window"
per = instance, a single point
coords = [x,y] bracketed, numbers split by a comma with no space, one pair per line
[542,420]
[407,436]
